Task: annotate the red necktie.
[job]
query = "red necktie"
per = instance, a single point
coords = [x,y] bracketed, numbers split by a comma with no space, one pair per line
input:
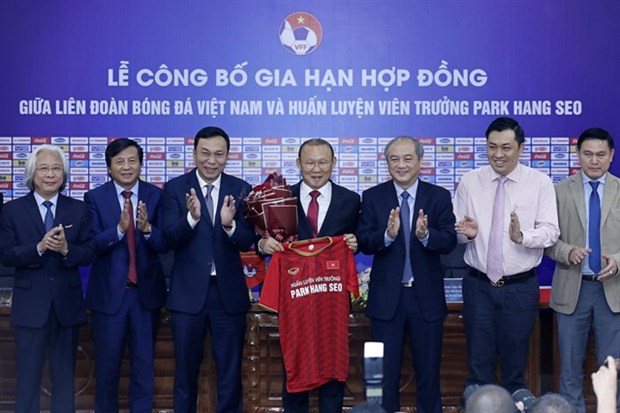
[131,241]
[313,213]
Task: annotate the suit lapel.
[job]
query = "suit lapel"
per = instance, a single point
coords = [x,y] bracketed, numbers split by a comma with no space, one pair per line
[192,182]
[420,202]
[335,205]
[303,229]
[61,210]
[576,188]
[32,209]
[110,194]
[609,196]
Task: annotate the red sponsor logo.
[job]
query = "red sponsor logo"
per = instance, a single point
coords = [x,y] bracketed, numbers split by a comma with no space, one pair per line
[155,156]
[541,156]
[6,185]
[78,155]
[271,141]
[426,141]
[464,156]
[6,155]
[427,171]
[38,141]
[234,156]
[332,265]
[78,185]
[348,141]
[348,171]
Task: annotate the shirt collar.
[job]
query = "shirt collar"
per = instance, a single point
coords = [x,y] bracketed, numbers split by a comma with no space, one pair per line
[412,190]
[216,184]
[40,199]
[120,189]
[585,178]
[514,175]
[325,190]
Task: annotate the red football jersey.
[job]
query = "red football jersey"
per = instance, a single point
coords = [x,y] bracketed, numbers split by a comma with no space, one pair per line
[309,284]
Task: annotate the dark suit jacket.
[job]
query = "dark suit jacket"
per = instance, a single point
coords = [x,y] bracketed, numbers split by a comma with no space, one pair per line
[196,248]
[106,286]
[41,281]
[386,275]
[342,214]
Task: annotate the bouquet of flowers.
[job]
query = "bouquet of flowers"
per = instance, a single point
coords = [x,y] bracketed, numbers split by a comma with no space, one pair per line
[272,209]
[363,278]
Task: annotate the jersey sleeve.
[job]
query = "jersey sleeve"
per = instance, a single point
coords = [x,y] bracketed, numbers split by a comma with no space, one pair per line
[270,293]
[352,282]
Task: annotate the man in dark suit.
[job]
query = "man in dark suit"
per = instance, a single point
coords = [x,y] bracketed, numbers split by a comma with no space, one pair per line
[126,289]
[337,214]
[407,217]
[46,236]
[202,220]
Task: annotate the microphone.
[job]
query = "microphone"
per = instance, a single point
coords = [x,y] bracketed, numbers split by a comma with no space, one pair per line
[373,372]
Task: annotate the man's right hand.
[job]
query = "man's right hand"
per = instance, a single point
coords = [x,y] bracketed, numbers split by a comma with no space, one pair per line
[193,204]
[269,245]
[467,226]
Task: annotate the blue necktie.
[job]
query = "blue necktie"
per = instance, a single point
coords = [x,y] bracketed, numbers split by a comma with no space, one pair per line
[405,222]
[594,229]
[209,201]
[49,217]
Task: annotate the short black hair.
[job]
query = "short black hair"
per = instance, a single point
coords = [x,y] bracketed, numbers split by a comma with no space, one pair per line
[211,132]
[595,133]
[118,145]
[504,123]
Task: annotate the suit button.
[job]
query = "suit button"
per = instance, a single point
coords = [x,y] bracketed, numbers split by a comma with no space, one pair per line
[51,278]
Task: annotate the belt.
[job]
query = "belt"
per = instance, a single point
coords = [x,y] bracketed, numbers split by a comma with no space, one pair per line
[506,279]
[589,277]
[408,284]
[131,284]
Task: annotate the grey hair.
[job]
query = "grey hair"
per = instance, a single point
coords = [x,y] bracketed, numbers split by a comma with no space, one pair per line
[419,148]
[31,165]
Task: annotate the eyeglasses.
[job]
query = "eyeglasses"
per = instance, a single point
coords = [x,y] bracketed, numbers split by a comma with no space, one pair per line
[44,170]
[309,165]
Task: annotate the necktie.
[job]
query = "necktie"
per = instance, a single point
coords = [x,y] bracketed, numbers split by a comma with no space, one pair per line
[313,213]
[49,217]
[405,222]
[594,229]
[495,253]
[132,274]
[209,201]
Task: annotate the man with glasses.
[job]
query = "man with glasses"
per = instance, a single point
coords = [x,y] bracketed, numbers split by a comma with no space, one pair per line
[46,236]
[324,209]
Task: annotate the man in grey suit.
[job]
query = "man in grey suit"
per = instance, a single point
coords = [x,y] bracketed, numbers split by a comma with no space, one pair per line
[586,288]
